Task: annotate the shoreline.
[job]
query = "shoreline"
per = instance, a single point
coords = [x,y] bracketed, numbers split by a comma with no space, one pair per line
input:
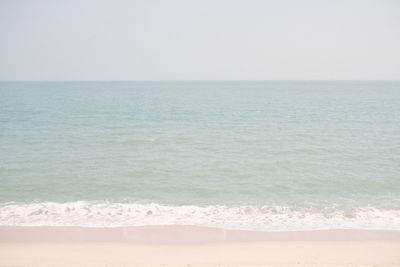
[192,246]
[180,234]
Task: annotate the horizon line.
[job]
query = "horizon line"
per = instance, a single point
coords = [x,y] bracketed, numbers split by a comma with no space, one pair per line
[194,80]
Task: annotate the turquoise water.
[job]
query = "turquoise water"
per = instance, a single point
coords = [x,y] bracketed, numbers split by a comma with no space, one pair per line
[266,155]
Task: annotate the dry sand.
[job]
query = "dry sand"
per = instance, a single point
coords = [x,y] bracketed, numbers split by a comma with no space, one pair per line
[194,246]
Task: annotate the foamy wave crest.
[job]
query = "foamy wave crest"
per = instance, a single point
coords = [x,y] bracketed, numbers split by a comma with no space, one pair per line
[265,218]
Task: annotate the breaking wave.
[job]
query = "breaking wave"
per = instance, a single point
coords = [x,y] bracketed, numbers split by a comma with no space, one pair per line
[262,218]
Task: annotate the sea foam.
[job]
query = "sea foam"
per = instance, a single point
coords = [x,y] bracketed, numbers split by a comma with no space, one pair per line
[264,218]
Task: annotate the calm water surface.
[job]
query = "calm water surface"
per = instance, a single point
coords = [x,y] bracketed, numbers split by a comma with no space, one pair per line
[262,155]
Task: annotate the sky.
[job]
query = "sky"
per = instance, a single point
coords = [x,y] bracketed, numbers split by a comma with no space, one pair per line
[199,40]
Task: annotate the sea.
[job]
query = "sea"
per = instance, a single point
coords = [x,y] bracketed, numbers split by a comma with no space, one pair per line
[250,155]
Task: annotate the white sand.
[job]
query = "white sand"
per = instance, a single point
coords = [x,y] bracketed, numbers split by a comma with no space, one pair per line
[194,246]
[265,253]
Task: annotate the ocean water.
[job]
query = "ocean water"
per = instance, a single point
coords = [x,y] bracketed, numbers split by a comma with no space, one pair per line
[255,155]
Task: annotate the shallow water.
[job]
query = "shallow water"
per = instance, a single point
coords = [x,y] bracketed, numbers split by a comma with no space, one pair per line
[266,155]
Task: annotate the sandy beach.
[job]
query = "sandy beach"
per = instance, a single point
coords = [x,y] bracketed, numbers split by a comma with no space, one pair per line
[200,133]
[195,246]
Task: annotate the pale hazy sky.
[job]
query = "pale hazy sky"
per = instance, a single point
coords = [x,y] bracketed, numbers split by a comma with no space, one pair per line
[199,40]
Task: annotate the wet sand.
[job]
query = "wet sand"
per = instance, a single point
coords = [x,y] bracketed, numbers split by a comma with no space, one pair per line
[195,246]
